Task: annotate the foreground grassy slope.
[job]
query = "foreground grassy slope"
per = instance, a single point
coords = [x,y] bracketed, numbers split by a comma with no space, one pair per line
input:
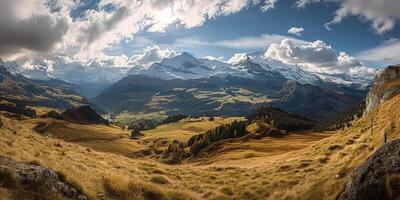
[304,166]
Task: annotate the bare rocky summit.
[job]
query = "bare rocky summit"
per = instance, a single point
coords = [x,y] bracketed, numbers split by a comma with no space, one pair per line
[385,86]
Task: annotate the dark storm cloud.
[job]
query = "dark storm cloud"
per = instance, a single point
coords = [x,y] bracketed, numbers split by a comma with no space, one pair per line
[34,32]
[38,33]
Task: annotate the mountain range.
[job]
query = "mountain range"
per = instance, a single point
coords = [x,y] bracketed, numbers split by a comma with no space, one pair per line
[188,85]
[198,86]
[252,66]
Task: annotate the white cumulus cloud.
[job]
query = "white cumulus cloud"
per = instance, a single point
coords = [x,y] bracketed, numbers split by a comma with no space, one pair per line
[314,56]
[50,29]
[150,55]
[296,31]
[382,14]
[386,53]
[237,57]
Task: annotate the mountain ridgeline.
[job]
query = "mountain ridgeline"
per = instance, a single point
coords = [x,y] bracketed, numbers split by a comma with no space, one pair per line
[191,86]
[52,93]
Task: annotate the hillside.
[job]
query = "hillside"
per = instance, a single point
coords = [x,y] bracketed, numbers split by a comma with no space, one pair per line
[316,168]
[234,164]
[43,93]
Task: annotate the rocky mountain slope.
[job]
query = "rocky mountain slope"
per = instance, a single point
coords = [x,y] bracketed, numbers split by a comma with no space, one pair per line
[385,86]
[49,93]
[88,80]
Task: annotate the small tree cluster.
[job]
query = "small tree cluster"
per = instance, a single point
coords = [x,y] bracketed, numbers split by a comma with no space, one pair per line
[176,151]
[174,119]
[281,119]
[225,131]
[144,124]
[135,133]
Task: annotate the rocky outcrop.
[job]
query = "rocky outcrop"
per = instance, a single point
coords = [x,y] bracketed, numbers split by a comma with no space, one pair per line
[378,178]
[385,86]
[32,176]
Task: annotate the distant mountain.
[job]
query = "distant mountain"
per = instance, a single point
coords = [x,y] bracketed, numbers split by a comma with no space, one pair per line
[316,102]
[183,66]
[254,66]
[91,79]
[187,85]
[88,80]
[228,95]
[49,93]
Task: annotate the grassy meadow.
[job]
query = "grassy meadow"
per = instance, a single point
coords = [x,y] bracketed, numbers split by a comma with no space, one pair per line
[108,165]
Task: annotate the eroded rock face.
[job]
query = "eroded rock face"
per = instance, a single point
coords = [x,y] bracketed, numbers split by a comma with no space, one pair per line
[32,175]
[385,86]
[378,178]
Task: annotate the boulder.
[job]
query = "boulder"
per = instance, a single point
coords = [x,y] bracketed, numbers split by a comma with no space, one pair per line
[26,175]
[378,178]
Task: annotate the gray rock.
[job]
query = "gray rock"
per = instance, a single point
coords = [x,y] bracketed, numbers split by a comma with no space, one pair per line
[28,175]
[383,88]
[378,178]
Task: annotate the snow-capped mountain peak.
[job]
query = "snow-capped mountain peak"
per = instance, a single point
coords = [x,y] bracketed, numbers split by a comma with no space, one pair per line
[186,66]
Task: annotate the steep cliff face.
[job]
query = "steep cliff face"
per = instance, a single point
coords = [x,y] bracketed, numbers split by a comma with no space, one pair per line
[385,86]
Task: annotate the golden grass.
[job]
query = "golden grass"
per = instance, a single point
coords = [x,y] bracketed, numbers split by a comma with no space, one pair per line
[126,117]
[185,129]
[98,137]
[299,166]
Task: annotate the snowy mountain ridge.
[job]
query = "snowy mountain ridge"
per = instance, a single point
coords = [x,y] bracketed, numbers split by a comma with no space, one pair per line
[186,66]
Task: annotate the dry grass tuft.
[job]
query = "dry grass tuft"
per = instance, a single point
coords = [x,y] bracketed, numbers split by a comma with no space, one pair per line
[34,162]
[160,180]
[123,188]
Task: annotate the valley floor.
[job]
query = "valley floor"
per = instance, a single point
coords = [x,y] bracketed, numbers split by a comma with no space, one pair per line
[106,163]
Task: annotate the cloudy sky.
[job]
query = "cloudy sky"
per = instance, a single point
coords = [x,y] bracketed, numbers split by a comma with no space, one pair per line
[330,34]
